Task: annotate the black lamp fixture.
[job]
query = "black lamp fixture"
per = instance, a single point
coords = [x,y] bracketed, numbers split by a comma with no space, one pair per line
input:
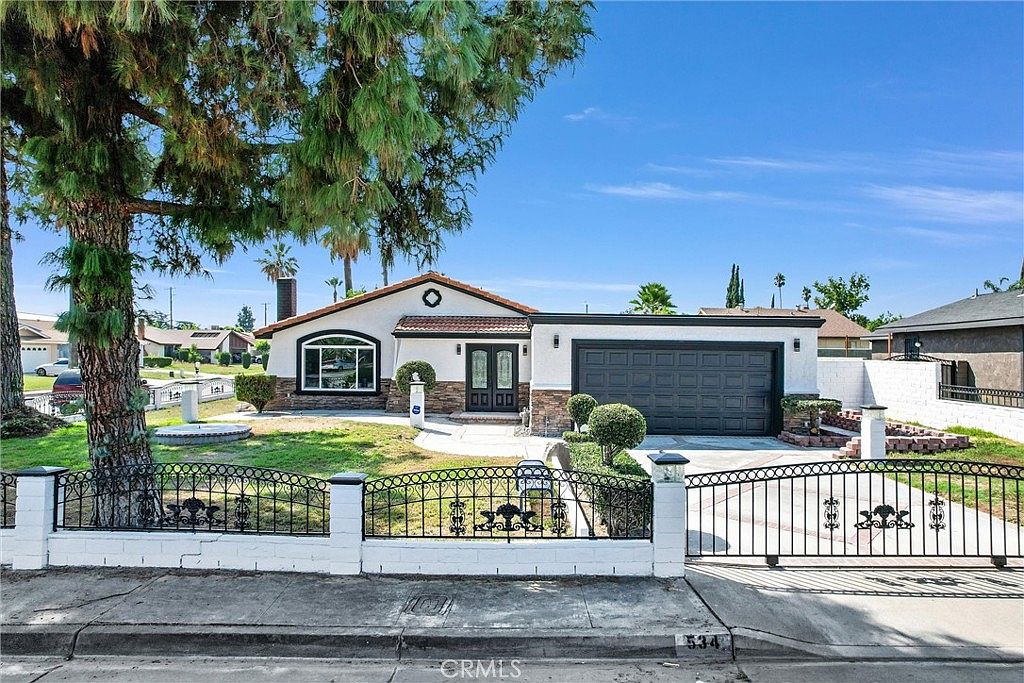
[458,349]
[524,349]
[556,341]
[796,343]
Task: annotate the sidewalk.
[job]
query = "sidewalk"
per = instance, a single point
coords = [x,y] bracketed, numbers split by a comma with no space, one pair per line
[967,614]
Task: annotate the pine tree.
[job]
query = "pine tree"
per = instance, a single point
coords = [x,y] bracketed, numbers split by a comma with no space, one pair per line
[773,301]
[161,131]
[743,297]
[246,320]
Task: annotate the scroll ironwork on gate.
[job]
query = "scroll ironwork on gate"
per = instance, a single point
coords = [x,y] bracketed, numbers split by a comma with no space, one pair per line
[895,507]
[193,497]
[520,502]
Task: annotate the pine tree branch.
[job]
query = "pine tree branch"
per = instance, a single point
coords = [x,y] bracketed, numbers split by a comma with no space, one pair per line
[156,207]
[139,110]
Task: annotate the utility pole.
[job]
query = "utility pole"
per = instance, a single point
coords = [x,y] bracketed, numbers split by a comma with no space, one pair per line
[586,307]
[170,292]
[265,304]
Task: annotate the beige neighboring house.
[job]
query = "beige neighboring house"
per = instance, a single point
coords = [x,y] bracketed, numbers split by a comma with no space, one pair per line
[160,342]
[40,342]
[839,337]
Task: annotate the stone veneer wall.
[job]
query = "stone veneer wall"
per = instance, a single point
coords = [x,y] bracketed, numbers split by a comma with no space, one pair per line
[548,416]
[445,397]
[287,399]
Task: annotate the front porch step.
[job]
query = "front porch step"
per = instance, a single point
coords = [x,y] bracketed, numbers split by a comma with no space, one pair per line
[466,417]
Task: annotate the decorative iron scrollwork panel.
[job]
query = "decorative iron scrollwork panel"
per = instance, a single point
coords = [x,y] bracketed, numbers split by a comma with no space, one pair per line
[885,517]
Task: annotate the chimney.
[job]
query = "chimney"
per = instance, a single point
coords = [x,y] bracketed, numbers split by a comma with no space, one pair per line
[287,295]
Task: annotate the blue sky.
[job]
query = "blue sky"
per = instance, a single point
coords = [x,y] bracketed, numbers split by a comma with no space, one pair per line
[811,139]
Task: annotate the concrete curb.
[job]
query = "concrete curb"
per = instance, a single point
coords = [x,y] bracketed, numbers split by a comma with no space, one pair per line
[359,643]
[750,644]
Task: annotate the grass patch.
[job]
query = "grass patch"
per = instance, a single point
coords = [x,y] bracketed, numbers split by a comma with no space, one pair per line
[997,497]
[37,383]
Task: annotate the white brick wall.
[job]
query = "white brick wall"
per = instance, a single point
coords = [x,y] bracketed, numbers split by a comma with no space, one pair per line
[519,558]
[910,392]
[191,551]
[842,379]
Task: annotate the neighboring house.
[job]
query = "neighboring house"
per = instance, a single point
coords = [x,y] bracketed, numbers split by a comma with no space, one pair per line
[982,336]
[40,342]
[839,337]
[689,374]
[160,342]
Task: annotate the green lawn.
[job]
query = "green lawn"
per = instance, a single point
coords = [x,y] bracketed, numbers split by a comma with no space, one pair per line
[311,446]
[189,370]
[982,493]
[37,383]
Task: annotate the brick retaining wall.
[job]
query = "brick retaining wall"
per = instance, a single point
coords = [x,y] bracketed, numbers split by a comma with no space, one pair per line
[288,399]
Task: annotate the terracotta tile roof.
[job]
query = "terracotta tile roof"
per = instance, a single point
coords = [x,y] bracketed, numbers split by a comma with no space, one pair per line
[836,324]
[424,325]
[391,289]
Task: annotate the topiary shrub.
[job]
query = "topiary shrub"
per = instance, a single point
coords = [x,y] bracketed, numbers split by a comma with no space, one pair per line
[255,389]
[616,427]
[224,358]
[580,406]
[246,360]
[156,361]
[577,437]
[184,355]
[812,408]
[426,372]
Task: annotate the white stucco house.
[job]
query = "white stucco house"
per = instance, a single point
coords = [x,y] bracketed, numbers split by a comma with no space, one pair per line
[688,374]
[40,341]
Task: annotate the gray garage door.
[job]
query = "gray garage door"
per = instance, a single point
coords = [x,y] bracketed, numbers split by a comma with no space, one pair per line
[683,389]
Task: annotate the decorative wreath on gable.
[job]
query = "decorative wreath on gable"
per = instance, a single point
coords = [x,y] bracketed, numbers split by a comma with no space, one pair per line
[432,298]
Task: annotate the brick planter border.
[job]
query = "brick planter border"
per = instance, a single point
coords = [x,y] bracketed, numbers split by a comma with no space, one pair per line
[899,437]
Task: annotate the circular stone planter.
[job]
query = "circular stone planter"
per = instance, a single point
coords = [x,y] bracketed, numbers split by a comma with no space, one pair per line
[193,434]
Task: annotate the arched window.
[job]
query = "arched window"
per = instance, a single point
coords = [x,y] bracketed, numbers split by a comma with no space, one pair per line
[335,362]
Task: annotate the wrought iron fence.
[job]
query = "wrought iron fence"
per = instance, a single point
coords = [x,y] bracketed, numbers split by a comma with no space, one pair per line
[896,507]
[996,397]
[8,496]
[520,502]
[193,497]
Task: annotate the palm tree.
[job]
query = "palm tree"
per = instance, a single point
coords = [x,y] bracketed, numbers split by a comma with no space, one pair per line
[277,264]
[654,299]
[333,283]
[346,243]
[780,282]
[806,295]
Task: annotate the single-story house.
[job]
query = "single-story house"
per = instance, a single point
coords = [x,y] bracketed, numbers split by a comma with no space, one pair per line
[41,343]
[688,374]
[839,337]
[982,336]
[156,341]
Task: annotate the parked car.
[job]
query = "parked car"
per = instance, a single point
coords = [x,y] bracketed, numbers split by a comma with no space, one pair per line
[67,387]
[53,369]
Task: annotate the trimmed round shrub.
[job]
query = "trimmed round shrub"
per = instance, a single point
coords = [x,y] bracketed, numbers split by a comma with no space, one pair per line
[616,427]
[255,389]
[580,406]
[246,360]
[184,355]
[224,358]
[426,372]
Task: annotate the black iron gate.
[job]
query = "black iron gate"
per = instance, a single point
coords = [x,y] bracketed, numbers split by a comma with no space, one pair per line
[858,508]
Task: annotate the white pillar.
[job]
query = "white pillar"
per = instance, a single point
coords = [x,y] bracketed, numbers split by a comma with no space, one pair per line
[417,404]
[346,526]
[872,432]
[34,516]
[669,474]
[190,403]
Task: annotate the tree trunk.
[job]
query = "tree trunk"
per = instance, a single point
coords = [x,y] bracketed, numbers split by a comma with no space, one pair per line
[114,400]
[12,394]
[384,272]
[348,275]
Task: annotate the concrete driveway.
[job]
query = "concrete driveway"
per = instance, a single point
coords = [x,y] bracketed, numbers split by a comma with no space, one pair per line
[717,453]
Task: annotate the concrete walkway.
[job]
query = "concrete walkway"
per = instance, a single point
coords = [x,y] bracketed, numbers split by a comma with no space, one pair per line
[440,434]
